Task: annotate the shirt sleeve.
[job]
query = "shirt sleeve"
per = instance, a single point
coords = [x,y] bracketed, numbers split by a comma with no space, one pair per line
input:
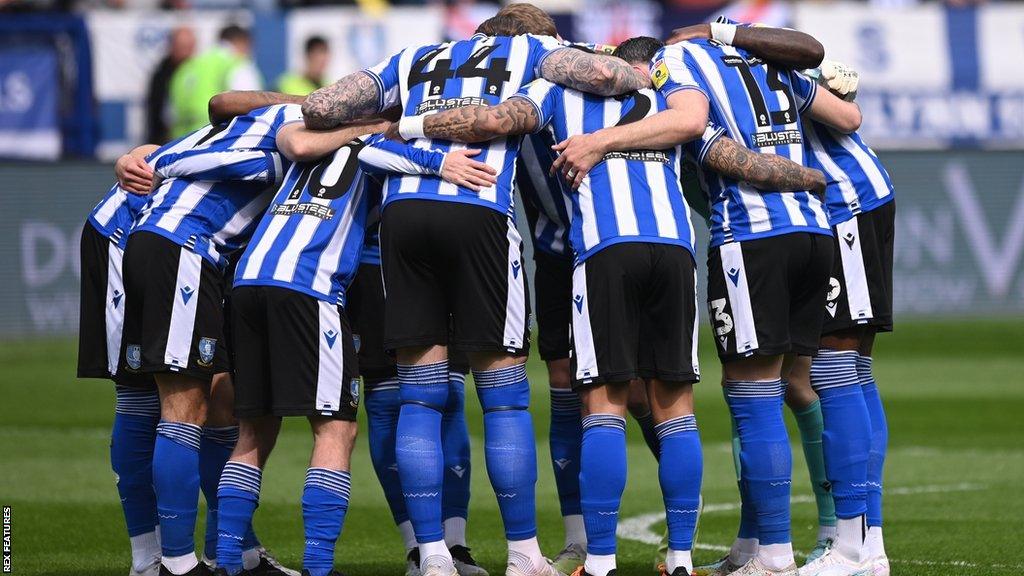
[237,164]
[540,47]
[381,155]
[543,95]
[385,74]
[674,69]
[698,148]
[804,89]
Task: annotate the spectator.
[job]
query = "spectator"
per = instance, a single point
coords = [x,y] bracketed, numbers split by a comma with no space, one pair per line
[181,45]
[317,55]
[226,66]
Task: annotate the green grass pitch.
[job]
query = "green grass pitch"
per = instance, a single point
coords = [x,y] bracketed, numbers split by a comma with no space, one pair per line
[954,392]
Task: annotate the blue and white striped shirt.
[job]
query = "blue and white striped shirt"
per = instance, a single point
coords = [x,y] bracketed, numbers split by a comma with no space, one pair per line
[484,70]
[857,181]
[371,244]
[117,211]
[759,106]
[629,196]
[311,239]
[214,194]
[547,200]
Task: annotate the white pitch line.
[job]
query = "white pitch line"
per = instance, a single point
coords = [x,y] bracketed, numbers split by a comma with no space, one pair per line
[638,528]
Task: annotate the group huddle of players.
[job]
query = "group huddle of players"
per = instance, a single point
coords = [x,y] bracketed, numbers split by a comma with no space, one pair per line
[264,265]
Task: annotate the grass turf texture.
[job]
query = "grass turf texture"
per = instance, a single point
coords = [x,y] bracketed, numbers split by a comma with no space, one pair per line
[952,391]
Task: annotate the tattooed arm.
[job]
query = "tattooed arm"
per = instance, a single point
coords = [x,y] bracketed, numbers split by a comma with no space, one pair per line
[764,171]
[482,123]
[354,97]
[594,73]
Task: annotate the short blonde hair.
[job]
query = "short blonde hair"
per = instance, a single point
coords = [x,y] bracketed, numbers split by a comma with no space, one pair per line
[533,18]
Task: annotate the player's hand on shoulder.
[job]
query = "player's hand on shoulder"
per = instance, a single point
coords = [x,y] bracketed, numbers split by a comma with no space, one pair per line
[461,170]
[576,156]
[841,79]
[694,32]
[134,174]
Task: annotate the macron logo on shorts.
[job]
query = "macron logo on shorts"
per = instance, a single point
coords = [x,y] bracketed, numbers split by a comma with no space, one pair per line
[186,293]
[515,269]
[578,299]
[734,275]
[331,336]
[116,300]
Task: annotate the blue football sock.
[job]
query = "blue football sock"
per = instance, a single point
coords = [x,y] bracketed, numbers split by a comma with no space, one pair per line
[455,445]
[650,435]
[680,470]
[509,446]
[748,516]
[131,456]
[602,479]
[214,450]
[176,483]
[879,439]
[418,449]
[846,437]
[565,439]
[383,403]
[766,461]
[324,503]
[238,496]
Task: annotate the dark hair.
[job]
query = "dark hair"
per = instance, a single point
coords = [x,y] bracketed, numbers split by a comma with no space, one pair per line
[638,50]
[535,20]
[233,32]
[315,43]
[500,25]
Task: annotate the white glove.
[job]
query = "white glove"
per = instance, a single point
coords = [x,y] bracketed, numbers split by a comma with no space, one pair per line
[840,79]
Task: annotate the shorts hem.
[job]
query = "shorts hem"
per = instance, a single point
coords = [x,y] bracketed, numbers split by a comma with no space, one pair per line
[293,412]
[671,377]
[391,344]
[490,347]
[611,378]
[205,374]
[760,351]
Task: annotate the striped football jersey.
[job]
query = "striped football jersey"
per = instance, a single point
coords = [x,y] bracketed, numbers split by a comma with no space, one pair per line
[483,70]
[117,211]
[213,195]
[311,238]
[629,196]
[759,106]
[547,200]
[857,181]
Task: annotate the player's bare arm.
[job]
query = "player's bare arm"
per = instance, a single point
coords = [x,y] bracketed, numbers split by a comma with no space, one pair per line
[685,119]
[134,174]
[482,123]
[227,105]
[787,48]
[594,73]
[764,171]
[835,112]
[354,97]
[300,144]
